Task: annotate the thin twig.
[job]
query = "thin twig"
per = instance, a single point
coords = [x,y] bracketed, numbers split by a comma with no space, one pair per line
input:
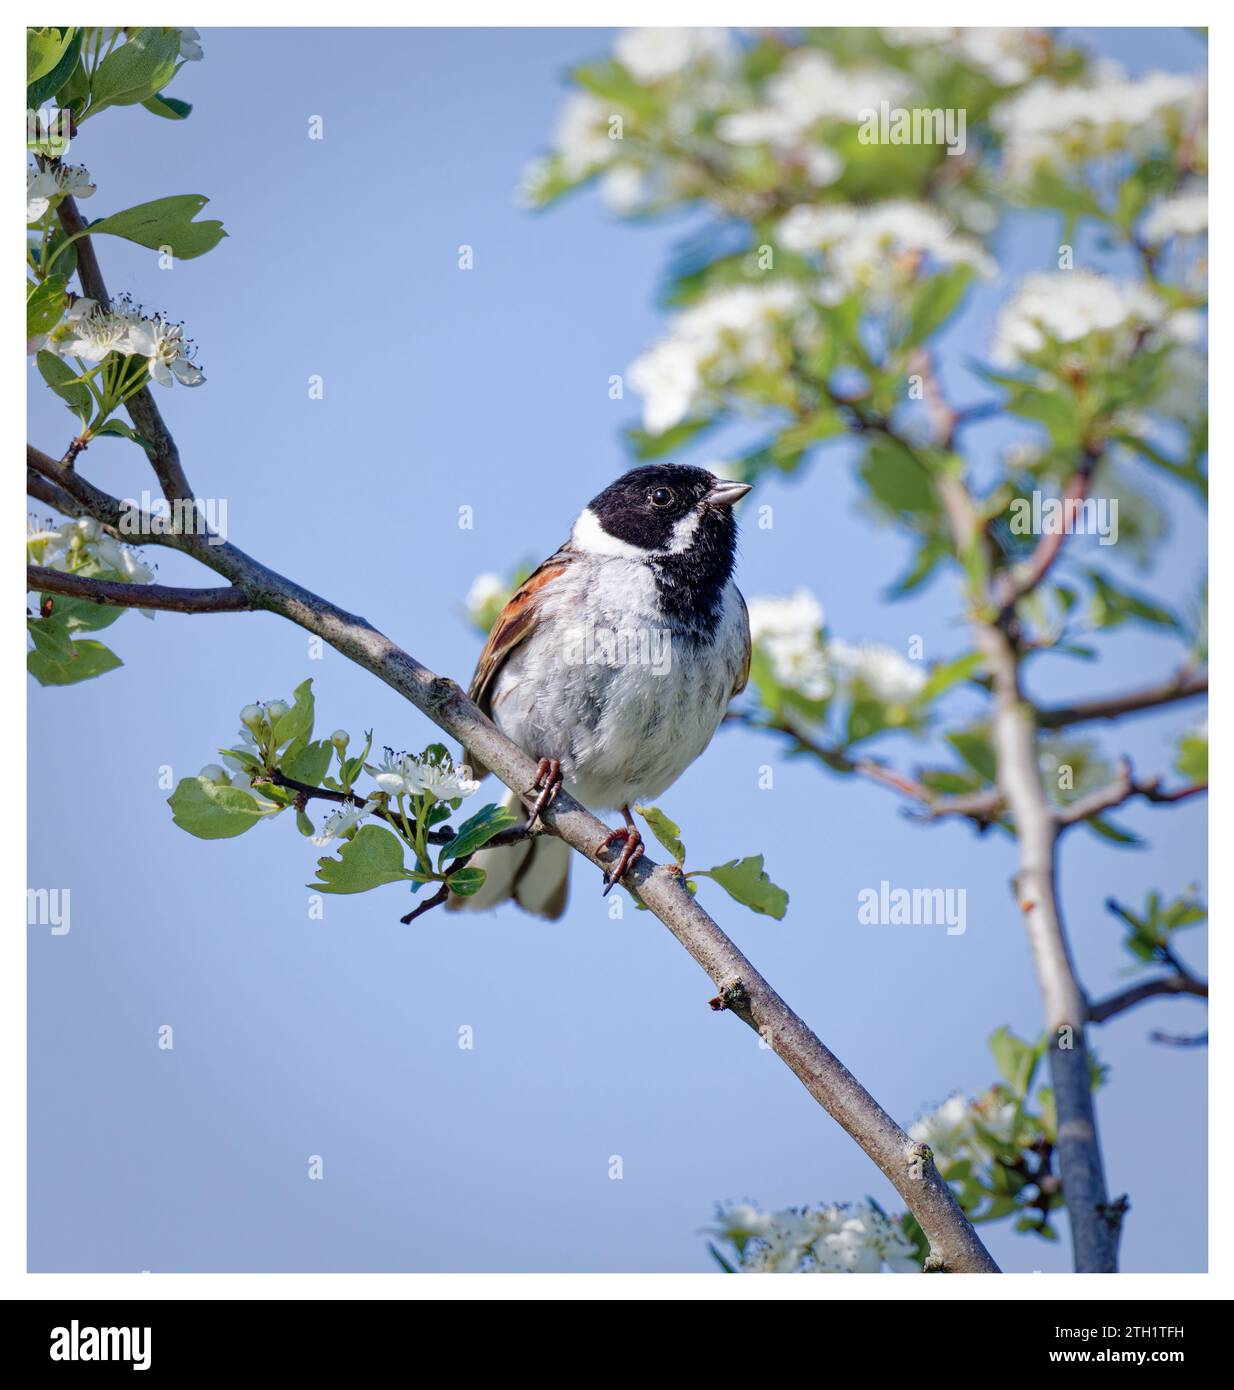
[1147,989]
[1185,685]
[117,594]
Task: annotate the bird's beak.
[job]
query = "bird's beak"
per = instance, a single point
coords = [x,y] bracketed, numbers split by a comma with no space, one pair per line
[725,493]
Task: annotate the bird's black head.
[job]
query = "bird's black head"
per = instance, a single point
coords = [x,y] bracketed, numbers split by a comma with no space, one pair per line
[666,509]
[680,521]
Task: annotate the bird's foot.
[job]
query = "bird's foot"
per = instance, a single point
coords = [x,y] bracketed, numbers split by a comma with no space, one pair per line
[631,853]
[547,783]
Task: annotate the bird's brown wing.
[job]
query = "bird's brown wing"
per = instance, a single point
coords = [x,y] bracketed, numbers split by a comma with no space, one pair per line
[515,623]
[744,678]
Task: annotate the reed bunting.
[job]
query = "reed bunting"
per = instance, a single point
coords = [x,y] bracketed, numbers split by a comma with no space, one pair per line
[614,664]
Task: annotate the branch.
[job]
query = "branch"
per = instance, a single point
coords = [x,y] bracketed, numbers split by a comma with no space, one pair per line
[983,807]
[144,413]
[119,594]
[1122,789]
[1185,685]
[1014,737]
[908,1166]
[1179,983]
[1024,578]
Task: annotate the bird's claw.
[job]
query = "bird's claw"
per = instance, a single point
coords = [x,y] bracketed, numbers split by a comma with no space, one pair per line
[631,853]
[547,783]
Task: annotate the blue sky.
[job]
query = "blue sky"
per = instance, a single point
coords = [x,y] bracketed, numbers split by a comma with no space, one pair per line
[339,1037]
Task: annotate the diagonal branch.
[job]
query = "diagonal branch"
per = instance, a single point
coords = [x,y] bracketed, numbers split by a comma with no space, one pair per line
[1184,685]
[954,1245]
[119,594]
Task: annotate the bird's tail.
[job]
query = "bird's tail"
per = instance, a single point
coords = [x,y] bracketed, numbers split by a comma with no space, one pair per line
[536,874]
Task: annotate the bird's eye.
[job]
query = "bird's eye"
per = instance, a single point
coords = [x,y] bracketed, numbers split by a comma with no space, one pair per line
[661,497]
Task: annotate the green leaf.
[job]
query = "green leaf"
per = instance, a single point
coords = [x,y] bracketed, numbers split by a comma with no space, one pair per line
[88,659]
[165,222]
[80,614]
[651,446]
[212,811]
[897,479]
[974,747]
[44,305]
[297,723]
[45,48]
[308,762]
[1016,1060]
[1107,830]
[1192,760]
[1111,606]
[138,68]
[933,302]
[466,881]
[172,108]
[65,382]
[373,857]
[668,833]
[50,636]
[479,830]
[744,880]
[949,673]
[49,83]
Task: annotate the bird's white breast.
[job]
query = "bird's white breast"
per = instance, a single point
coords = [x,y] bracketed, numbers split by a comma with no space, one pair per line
[607,687]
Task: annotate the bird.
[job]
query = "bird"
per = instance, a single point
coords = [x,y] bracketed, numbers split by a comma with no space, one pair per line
[613,664]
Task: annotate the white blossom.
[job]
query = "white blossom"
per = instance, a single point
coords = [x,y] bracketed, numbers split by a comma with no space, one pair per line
[1067,305]
[581,138]
[486,589]
[340,823]
[401,774]
[74,544]
[887,675]
[1004,55]
[1181,216]
[842,1239]
[726,332]
[788,631]
[650,55]
[190,48]
[58,181]
[1061,126]
[877,249]
[168,355]
[808,88]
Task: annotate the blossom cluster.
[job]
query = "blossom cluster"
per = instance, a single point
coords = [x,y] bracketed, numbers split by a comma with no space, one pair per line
[853,1238]
[789,631]
[878,249]
[90,333]
[1061,127]
[726,334]
[84,545]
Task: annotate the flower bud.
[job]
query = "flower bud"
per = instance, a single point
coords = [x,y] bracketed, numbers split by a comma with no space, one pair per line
[340,738]
[276,709]
[212,772]
[251,717]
